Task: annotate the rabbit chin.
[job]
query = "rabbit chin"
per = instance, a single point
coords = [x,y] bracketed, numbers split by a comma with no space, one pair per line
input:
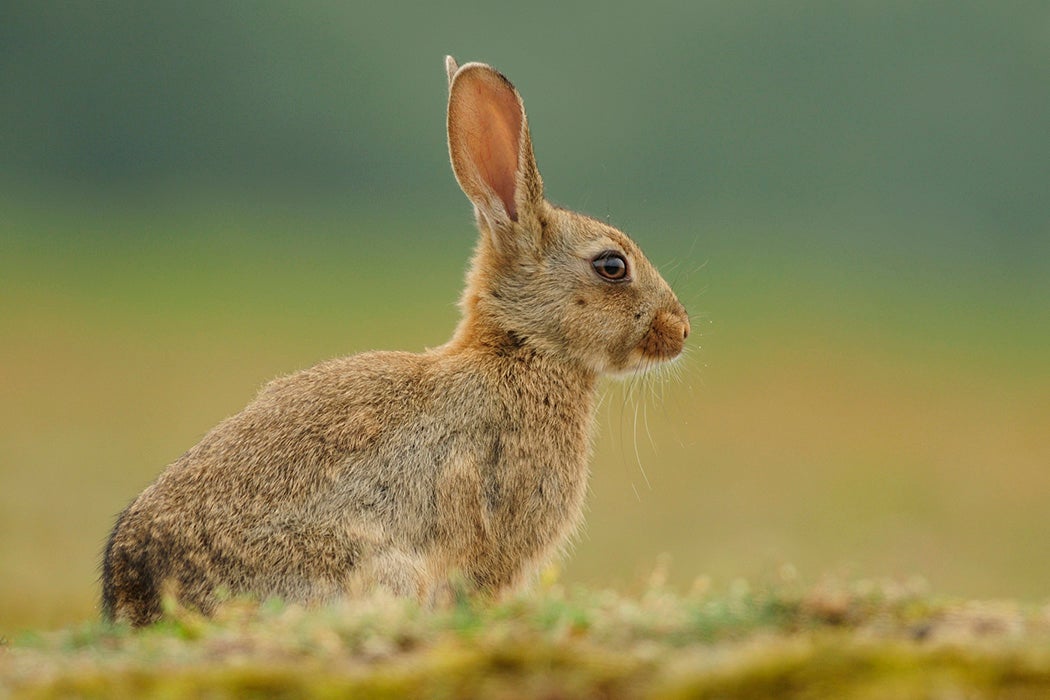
[637,362]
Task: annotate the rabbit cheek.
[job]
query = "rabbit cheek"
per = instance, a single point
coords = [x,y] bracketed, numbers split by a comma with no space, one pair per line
[594,338]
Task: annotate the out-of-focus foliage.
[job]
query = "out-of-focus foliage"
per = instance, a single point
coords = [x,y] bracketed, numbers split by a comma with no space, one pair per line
[863,640]
[846,114]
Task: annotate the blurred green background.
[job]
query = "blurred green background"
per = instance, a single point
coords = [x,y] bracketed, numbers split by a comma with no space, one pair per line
[850,198]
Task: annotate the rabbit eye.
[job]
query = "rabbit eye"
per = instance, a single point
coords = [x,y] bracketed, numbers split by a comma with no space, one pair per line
[610,265]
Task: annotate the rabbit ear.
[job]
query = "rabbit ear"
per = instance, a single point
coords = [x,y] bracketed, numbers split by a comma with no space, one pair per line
[450,69]
[489,145]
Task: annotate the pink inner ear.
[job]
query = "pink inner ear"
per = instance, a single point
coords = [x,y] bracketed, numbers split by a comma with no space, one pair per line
[491,126]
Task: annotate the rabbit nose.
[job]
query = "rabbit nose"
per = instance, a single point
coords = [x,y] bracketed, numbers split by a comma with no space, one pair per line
[685,321]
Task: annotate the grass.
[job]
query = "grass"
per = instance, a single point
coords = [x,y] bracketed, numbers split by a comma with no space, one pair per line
[781,639]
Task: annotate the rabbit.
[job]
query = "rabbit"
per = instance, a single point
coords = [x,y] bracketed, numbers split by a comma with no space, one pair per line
[465,466]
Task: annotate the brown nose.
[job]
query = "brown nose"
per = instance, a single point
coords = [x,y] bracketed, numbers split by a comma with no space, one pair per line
[683,317]
[666,335]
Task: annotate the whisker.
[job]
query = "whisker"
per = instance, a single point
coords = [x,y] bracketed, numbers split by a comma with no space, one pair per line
[645,421]
[637,454]
[628,389]
[700,266]
[676,370]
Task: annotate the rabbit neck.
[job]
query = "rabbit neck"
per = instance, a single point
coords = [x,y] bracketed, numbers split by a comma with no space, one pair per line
[479,335]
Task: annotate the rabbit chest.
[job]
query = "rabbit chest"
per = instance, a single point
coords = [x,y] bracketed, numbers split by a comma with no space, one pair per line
[504,510]
[506,503]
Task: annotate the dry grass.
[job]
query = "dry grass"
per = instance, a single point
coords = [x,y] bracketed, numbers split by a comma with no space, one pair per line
[857,640]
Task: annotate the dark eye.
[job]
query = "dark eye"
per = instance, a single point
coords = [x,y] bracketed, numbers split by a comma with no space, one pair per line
[610,265]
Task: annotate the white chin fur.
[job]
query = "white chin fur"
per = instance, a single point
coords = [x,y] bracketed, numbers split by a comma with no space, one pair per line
[637,364]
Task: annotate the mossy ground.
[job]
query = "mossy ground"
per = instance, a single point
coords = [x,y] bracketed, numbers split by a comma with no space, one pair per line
[783,639]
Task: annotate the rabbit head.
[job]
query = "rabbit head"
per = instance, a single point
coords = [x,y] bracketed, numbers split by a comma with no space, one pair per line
[559,282]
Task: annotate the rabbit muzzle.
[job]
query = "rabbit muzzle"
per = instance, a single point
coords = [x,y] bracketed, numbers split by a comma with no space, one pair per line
[666,336]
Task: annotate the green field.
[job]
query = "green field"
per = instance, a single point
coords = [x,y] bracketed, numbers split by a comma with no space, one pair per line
[834,413]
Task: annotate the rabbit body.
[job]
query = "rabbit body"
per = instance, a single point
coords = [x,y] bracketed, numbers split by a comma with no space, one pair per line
[386,467]
[400,471]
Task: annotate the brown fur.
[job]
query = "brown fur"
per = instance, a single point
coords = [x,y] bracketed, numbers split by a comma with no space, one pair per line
[400,471]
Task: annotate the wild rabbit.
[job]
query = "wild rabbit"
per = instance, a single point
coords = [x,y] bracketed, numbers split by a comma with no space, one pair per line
[400,471]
